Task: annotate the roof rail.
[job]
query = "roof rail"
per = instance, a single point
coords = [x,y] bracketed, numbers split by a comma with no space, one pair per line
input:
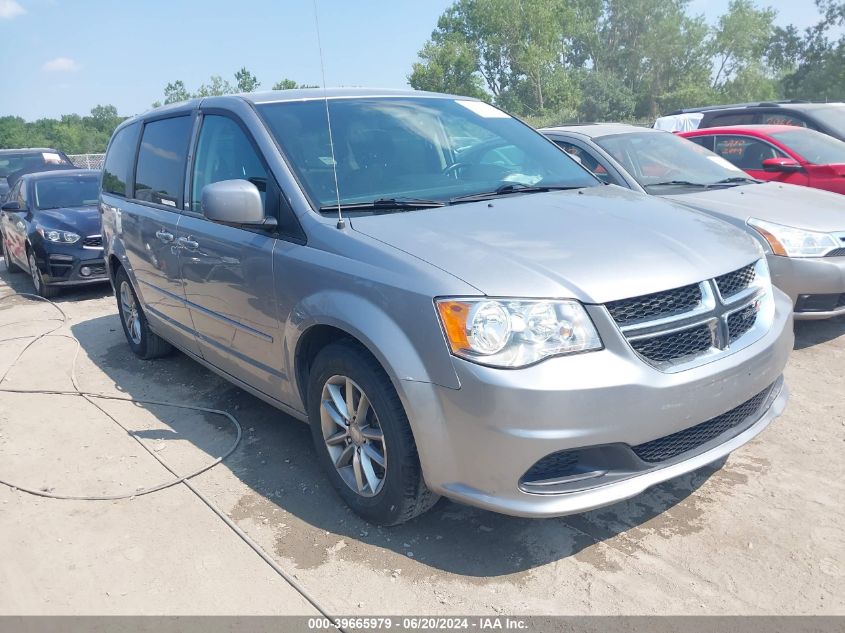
[728,106]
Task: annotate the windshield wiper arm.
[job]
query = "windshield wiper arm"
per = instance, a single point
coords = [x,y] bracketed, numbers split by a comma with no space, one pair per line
[384,203]
[513,187]
[734,180]
[678,183]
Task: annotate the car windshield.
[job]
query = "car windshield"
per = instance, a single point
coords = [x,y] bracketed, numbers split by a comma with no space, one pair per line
[833,116]
[29,161]
[814,147]
[415,149]
[67,191]
[659,159]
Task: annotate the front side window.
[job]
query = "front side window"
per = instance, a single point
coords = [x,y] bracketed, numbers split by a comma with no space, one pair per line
[161,161]
[65,192]
[224,152]
[587,160]
[660,159]
[745,152]
[413,148]
[814,147]
[117,168]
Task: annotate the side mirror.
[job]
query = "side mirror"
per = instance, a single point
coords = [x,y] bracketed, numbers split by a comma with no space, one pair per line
[12,207]
[781,164]
[234,202]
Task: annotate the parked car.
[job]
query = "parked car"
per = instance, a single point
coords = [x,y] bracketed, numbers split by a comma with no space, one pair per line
[828,118]
[782,153]
[801,229]
[50,227]
[455,306]
[16,162]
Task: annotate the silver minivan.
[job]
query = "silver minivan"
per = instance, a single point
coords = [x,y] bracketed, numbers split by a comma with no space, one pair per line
[455,306]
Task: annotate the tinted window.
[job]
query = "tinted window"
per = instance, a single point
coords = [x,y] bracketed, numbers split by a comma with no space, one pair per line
[587,160]
[413,147]
[814,147]
[70,191]
[779,118]
[118,166]
[833,116]
[224,152]
[745,152]
[161,161]
[705,141]
[745,118]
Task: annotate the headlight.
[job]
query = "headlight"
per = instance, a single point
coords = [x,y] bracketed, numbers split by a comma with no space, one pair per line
[792,242]
[515,332]
[53,235]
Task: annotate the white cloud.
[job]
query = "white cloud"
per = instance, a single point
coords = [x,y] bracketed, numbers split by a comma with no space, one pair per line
[10,9]
[61,64]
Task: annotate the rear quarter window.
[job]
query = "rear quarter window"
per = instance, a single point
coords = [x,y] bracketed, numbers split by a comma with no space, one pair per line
[117,168]
[161,161]
[741,118]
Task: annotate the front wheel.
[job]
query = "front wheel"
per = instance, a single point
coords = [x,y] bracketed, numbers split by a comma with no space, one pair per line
[142,340]
[362,436]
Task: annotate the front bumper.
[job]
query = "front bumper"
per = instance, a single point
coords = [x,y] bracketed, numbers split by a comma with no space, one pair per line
[476,443]
[806,279]
[65,265]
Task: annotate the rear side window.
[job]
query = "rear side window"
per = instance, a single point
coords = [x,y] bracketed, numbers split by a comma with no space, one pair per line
[743,118]
[778,118]
[118,166]
[161,161]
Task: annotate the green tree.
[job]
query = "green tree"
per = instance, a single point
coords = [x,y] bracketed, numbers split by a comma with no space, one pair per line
[246,81]
[175,92]
[451,67]
[740,40]
[290,84]
[216,87]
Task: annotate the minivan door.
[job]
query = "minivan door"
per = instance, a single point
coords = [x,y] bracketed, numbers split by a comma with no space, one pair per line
[227,271]
[149,218]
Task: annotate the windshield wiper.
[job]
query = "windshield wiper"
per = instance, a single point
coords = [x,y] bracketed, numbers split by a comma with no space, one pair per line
[733,180]
[384,203]
[513,187]
[676,183]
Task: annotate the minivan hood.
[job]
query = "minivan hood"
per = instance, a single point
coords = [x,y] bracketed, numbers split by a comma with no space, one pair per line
[801,207]
[595,245]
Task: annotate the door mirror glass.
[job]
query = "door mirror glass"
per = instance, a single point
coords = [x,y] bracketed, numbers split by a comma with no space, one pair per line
[233,202]
[781,164]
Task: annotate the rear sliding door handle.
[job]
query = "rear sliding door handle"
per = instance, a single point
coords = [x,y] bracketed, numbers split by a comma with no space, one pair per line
[187,243]
[164,236]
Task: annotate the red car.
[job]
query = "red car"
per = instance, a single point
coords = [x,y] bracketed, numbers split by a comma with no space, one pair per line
[784,153]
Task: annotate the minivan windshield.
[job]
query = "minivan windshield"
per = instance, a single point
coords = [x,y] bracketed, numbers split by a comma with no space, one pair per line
[658,160]
[415,151]
[814,147]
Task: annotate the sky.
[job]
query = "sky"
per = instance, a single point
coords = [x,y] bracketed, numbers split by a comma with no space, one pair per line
[62,56]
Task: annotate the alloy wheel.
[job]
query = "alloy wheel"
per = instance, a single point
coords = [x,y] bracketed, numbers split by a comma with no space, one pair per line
[129,311]
[353,436]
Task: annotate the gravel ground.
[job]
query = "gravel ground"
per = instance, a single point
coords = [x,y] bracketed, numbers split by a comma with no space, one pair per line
[761,535]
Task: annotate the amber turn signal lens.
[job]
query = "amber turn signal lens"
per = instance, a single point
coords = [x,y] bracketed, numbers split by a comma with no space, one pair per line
[774,243]
[454,315]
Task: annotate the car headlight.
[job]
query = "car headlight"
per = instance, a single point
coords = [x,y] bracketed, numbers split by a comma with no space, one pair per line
[793,242]
[515,332]
[60,237]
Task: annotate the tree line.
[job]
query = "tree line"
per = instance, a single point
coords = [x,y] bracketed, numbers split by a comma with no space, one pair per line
[627,60]
[552,61]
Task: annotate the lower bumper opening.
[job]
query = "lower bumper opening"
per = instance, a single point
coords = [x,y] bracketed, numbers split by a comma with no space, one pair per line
[588,467]
[820,303]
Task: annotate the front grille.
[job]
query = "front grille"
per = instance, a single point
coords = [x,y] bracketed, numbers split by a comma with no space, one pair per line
[735,282]
[93,241]
[676,345]
[671,446]
[656,304]
[839,252]
[740,322]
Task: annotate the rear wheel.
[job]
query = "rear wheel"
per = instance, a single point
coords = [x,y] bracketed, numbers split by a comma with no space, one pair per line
[11,266]
[362,436]
[41,288]
[142,340]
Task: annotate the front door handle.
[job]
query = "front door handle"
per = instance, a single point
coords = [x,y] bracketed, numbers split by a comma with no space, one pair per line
[187,243]
[164,236]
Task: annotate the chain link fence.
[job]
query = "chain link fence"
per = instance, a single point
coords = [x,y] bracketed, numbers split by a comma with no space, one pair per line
[87,161]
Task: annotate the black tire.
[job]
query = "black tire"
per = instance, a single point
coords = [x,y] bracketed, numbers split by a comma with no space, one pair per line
[147,344]
[403,494]
[41,288]
[11,266]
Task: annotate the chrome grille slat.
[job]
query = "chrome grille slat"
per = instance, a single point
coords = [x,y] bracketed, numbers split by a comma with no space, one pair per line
[725,312]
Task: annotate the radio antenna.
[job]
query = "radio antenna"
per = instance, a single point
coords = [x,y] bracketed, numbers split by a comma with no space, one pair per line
[341,223]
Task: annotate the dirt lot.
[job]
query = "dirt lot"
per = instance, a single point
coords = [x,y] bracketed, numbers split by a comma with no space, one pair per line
[763,534]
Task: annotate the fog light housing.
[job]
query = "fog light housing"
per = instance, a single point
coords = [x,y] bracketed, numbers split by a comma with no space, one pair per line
[85,271]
